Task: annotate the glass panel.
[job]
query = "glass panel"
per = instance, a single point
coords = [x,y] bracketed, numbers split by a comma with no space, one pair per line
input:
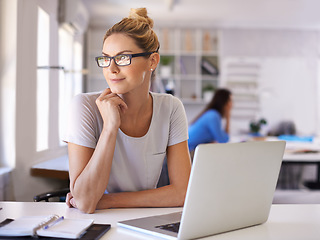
[43,81]
[65,78]
[70,80]
[77,68]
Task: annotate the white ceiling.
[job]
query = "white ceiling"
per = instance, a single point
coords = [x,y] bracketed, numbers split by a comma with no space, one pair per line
[293,14]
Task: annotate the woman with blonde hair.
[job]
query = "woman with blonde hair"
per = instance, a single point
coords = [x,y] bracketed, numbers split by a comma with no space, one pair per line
[118,138]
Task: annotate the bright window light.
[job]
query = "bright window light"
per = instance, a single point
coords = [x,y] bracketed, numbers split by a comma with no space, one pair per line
[43,81]
[65,60]
[78,68]
[70,80]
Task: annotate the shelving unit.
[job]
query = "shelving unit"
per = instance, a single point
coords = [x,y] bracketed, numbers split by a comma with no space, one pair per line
[195,61]
[241,75]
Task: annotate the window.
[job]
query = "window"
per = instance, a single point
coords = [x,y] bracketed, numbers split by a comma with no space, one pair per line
[318,100]
[70,81]
[43,80]
[78,68]
[51,121]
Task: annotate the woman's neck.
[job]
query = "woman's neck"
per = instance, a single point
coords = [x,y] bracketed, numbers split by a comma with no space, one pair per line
[137,103]
[136,121]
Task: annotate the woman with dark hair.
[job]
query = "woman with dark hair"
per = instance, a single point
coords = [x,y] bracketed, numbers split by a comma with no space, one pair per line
[207,127]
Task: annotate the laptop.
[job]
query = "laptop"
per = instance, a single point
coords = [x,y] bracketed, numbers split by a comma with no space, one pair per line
[231,186]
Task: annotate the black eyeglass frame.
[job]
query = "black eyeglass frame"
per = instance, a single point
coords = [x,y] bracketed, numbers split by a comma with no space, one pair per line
[129,55]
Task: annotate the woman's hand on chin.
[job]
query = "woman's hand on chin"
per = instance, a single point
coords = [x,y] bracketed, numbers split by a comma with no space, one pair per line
[111,106]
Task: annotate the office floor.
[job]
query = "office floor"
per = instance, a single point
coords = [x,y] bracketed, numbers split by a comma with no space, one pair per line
[296,196]
[291,188]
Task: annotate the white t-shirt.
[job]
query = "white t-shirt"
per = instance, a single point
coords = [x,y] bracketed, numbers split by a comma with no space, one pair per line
[137,161]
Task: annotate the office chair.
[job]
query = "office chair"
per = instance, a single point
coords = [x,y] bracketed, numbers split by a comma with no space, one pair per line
[52,196]
[283,128]
[164,176]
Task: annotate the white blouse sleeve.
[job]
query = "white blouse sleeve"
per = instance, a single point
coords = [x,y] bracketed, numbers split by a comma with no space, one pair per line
[178,131]
[82,122]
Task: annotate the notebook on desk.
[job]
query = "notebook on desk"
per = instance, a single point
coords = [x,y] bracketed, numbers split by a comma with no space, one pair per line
[51,227]
[231,186]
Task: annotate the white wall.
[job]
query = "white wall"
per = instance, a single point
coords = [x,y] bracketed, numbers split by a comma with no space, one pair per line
[295,96]
[289,72]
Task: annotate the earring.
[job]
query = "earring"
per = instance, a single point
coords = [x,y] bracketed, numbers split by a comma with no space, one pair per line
[151,69]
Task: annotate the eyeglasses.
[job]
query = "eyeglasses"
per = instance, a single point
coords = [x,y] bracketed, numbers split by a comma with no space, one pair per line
[120,60]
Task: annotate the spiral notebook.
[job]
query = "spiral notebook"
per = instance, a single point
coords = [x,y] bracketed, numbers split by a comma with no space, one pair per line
[53,226]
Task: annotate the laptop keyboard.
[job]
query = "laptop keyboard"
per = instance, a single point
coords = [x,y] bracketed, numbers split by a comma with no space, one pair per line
[173,227]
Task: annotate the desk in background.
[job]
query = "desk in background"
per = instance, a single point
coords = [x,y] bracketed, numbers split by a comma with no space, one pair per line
[59,167]
[304,153]
[286,222]
[54,168]
[305,159]
[296,153]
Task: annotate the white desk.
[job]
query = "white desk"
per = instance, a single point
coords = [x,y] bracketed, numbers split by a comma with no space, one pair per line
[286,222]
[292,157]
[304,158]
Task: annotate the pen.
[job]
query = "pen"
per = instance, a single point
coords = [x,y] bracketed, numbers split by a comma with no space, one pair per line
[53,223]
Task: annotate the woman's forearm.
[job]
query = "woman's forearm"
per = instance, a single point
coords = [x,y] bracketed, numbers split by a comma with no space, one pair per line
[88,187]
[227,129]
[167,196]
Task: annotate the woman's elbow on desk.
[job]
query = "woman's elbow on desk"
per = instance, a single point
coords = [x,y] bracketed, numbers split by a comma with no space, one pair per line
[86,207]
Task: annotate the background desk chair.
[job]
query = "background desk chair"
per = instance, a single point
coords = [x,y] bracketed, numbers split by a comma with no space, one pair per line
[52,196]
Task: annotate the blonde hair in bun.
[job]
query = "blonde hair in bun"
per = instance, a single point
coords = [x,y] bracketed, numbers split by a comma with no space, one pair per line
[141,14]
[138,26]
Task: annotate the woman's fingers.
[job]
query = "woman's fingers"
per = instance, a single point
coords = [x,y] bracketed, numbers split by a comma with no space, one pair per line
[70,201]
[68,198]
[107,95]
[73,203]
[104,93]
[111,106]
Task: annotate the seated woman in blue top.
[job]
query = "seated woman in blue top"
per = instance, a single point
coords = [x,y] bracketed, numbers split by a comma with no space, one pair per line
[207,127]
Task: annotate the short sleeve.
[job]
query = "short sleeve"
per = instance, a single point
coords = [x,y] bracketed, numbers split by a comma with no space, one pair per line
[178,131]
[82,121]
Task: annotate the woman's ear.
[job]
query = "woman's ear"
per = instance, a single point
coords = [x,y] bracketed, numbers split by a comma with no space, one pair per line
[154,60]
